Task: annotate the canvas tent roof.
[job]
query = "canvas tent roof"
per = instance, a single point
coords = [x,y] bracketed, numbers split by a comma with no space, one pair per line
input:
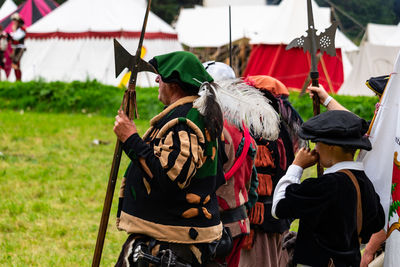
[380,34]
[372,61]
[208,27]
[263,24]
[7,8]
[100,16]
[378,51]
[61,48]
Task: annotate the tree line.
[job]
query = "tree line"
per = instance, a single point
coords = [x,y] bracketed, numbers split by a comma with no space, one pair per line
[354,15]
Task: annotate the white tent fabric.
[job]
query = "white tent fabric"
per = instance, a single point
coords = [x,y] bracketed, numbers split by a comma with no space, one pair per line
[373,60]
[377,55]
[7,8]
[380,34]
[100,16]
[209,27]
[262,24]
[75,41]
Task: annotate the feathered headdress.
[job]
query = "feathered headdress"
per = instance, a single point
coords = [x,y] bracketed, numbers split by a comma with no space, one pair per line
[243,103]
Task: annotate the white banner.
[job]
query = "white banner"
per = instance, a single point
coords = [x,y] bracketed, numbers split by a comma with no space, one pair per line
[381,163]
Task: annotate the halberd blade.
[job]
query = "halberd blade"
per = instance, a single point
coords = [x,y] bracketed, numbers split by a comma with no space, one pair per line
[146,66]
[123,59]
[301,42]
[297,42]
[326,40]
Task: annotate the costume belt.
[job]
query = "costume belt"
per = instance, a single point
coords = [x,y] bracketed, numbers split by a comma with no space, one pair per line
[233,215]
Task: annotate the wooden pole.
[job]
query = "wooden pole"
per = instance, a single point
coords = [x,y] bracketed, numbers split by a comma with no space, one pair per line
[130,108]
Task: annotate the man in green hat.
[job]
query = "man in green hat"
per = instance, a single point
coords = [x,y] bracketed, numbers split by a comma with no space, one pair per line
[168,203]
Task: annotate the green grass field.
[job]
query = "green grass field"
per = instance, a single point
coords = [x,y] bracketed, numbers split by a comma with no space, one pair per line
[53,181]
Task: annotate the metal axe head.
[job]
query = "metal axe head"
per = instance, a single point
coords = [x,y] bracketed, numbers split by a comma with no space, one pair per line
[123,59]
[325,42]
[301,42]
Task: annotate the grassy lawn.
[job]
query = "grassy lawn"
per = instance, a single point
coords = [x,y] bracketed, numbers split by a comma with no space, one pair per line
[52,182]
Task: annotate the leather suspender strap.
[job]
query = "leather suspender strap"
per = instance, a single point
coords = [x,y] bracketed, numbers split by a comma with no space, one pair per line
[359,203]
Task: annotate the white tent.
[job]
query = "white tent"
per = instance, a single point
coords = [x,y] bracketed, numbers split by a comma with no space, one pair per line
[378,51]
[209,27]
[262,24]
[75,41]
[7,8]
[380,34]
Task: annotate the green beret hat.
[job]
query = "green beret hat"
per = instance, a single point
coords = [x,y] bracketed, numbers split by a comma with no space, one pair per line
[183,68]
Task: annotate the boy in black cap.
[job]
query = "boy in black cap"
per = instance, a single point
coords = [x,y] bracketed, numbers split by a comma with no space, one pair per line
[338,210]
[378,86]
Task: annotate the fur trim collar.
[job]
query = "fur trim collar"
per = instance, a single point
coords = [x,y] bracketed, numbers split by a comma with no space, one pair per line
[181,101]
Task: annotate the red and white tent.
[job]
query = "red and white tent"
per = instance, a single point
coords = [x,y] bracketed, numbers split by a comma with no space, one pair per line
[30,11]
[269,56]
[75,42]
[7,8]
[270,28]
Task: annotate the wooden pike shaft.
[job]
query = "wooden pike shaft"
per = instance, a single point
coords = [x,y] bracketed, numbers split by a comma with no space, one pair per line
[316,110]
[107,205]
[230,38]
[130,108]
[314,82]
[314,67]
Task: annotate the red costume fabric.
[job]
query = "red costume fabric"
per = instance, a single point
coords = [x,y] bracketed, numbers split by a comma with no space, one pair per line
[263,247]
[233,194]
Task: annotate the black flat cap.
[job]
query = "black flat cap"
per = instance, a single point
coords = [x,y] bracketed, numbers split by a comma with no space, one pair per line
[337,127]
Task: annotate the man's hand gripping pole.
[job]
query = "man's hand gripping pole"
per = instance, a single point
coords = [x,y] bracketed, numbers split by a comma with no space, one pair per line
[123,59]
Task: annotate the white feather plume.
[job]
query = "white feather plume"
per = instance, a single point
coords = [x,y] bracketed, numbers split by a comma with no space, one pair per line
[241,102]
[204,92]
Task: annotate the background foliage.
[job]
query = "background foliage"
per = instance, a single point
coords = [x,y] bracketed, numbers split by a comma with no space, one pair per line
[363,12]
[95,98]
[76,97]
[363,106]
